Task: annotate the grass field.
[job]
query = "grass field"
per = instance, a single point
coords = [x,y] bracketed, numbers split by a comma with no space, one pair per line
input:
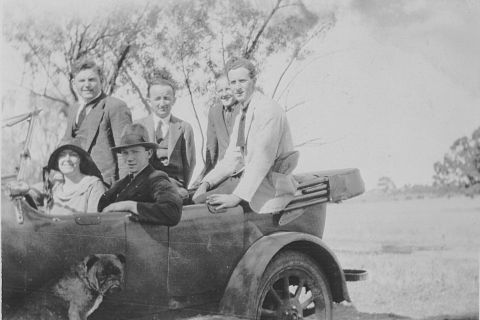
[422,255]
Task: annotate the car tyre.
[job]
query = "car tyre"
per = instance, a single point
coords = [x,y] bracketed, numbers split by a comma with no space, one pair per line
[293,287]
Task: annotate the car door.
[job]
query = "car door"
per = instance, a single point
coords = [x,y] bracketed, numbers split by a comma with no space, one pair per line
[41,248]
[204,248]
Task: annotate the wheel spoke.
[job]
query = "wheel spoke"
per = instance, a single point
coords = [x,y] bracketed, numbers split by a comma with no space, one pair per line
[307,302]
[268,312]
[275,295]
[286,291]
[299,288]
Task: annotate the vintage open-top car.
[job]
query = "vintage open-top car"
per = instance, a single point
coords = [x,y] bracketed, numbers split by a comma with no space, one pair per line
[237,262]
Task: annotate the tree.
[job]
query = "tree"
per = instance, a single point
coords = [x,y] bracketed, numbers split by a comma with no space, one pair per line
[182,36]
[460,167]
[386,184]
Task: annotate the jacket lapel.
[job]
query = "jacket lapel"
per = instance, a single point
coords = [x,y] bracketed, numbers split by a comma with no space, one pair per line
[130,187]
[150,126]
[250,113]
[173,134]
[94,118]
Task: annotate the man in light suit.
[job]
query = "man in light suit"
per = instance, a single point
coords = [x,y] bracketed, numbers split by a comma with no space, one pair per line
[260,145]
[221,118]
[96,122]
[176,152]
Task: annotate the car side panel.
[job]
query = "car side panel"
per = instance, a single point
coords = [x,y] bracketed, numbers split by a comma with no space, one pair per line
[41,248]
[204,249]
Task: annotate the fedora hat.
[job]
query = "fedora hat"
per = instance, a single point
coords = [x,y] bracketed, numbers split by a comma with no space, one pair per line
[134,135]
[87,165]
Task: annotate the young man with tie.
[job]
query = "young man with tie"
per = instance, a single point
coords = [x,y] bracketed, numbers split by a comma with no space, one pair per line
[176,152]
[260,145]
[96,122]
[221,118]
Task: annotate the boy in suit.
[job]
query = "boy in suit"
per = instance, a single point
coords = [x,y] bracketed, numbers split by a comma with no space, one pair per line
[176,146]
[145,192]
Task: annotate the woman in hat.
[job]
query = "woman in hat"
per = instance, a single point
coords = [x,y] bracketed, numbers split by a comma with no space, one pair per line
[72,181]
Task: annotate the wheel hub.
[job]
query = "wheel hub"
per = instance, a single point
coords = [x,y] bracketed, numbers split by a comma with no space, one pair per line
[290,312]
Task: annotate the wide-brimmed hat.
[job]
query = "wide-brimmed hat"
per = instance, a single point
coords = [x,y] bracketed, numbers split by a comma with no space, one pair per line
[134,135]
[87,165]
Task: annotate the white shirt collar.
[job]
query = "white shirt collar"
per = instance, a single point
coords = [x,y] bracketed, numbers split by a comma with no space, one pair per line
[165,121]
[83,103]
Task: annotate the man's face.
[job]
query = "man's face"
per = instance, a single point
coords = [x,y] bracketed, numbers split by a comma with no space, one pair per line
[224,93]
[136,158]
[161,100]
[87,84]
[241,84]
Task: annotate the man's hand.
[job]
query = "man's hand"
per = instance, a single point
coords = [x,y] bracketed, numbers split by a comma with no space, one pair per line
[202,189]
[128,205]
[221,201]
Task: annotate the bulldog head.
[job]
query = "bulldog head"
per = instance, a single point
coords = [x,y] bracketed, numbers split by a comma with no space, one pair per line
[104,272]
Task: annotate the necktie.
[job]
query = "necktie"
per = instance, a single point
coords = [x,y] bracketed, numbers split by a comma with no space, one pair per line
[241,129]
[158,132]
[82,115]
[227,114]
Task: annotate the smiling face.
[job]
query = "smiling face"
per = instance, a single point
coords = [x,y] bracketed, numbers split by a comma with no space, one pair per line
[69,162]
[241,84]
[136,158]
[223,91]
[87,84]
[161,98]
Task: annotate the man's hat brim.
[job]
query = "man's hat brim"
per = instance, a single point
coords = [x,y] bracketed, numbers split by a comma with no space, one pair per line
[148,145]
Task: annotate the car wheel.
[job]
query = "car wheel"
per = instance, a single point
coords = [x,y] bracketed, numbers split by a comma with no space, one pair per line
[293,287]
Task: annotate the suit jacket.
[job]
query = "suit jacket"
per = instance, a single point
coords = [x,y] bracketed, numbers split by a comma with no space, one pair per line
[268,140]
[218,136]
[157,198]
[181,147]
[101,130]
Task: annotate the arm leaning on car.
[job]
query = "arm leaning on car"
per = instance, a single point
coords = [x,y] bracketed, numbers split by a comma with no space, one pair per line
[164,205]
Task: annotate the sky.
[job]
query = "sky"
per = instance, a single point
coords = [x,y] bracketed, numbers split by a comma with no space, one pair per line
[387,90]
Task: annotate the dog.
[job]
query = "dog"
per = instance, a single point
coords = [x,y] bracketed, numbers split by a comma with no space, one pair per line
[78,293]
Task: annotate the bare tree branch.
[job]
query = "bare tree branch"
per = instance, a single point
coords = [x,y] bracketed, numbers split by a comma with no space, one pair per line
[137,89]
[42,63]
[190,93]
[293,58]
[310,141]
[46,96]
[116,71]
[253,47]
[296,105]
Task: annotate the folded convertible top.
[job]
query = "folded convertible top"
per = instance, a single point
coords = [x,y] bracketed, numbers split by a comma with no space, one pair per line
[341,184]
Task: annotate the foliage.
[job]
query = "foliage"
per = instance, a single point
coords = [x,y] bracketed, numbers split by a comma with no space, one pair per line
[460,167]
[386,184]
[192,39]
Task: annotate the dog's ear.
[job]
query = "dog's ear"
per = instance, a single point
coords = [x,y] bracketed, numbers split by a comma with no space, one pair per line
[122,258]
[91,261]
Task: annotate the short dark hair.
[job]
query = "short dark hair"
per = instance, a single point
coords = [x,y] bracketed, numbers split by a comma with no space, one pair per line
[161,82]
[85,64]
[237,62]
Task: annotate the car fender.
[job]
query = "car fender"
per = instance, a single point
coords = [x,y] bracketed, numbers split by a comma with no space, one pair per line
[247,274]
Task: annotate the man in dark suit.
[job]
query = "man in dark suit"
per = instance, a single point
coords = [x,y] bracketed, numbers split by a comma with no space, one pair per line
[96,122]
[176,152]
[147,193]
[221,118]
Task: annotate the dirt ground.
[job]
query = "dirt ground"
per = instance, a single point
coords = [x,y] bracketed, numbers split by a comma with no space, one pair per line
[349,312]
